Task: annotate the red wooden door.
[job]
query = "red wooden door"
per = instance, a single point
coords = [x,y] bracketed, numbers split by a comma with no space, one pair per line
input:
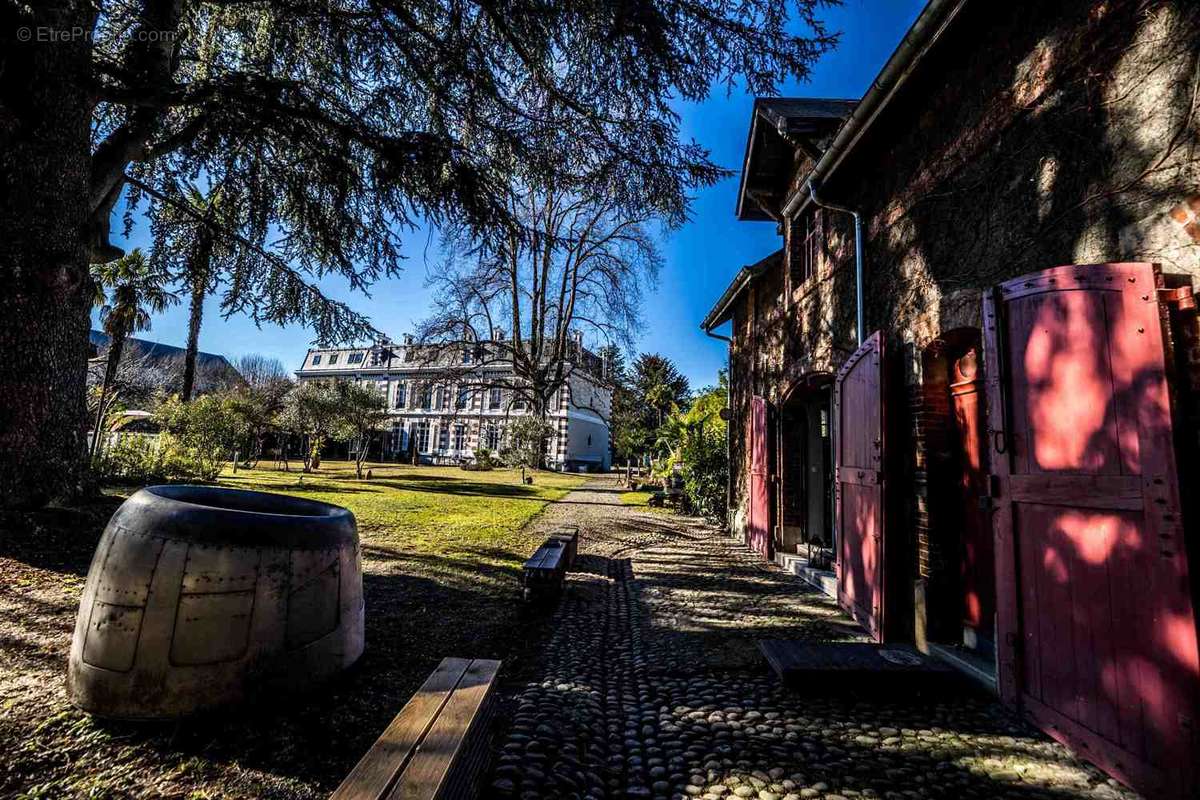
[858,453]
[758,529]
[978,569]
[1094,609]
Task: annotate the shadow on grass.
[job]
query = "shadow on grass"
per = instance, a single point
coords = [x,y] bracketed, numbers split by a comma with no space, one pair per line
[470,562]
[57,539]
[420,608]
[414,618]
[453,486]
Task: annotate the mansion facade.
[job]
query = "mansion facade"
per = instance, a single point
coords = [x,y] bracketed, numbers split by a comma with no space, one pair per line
[444,408]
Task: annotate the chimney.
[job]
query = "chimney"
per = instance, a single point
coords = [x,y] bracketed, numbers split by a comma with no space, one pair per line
[408,338]
[497,334]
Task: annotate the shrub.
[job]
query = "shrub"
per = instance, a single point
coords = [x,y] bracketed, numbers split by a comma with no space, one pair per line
[705,471]
[203,431]
[142,459]
[132,459]
[484,459]
[695,439]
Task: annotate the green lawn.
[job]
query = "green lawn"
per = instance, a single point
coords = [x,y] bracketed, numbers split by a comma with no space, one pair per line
[442,550]
[422,509]
[638,498]
[641,498]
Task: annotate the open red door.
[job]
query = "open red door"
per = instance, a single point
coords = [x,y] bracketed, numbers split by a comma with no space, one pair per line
[977,567]
[1097,638]
[858,452]
[758,530]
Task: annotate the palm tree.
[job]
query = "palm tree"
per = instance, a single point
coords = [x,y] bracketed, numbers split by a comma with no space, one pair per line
[128,292]
[204,254]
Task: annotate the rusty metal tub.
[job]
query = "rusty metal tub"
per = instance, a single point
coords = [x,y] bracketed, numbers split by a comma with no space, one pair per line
[198,596]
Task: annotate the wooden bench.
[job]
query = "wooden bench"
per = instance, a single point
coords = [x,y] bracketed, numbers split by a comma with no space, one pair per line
[436,747]
[570,539]
[546,570]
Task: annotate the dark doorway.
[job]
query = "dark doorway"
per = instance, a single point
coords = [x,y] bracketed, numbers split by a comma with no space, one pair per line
[806,472]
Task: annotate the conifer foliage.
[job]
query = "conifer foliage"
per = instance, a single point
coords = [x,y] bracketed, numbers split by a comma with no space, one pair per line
[329,126]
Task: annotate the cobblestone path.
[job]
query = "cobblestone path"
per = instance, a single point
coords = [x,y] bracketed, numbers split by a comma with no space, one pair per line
[651,686]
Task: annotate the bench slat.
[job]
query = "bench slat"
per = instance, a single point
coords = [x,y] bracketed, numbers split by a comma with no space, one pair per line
[428,772]
[546,558]
[387,758]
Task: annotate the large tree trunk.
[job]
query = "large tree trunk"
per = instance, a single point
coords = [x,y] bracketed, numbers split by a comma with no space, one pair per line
[541,413]
[47,291]
[195,318]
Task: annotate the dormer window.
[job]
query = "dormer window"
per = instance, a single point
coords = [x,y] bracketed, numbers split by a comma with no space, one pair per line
[355,358]
[316,360]
[333,358]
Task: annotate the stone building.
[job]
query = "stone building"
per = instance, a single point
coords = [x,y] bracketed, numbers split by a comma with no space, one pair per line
[445,405]
[963,389]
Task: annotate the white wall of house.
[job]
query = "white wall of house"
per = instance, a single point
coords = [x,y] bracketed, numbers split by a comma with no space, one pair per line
[450,422]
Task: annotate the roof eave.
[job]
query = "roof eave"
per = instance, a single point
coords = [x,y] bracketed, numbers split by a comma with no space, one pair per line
[935,18]
[722,309]
[739,212]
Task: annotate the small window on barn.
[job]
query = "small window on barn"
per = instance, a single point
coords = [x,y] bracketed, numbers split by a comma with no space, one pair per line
[804,251]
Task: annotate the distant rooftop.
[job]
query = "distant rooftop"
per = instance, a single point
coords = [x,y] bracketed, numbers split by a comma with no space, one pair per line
[387,355]
[158,351]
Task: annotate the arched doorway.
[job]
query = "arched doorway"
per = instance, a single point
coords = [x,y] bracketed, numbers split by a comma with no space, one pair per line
[805,469]
[956,550]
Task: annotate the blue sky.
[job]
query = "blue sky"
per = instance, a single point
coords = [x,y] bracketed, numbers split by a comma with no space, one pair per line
[700,257]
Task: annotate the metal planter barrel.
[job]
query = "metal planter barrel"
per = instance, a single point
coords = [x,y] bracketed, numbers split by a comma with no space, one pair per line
[198,596]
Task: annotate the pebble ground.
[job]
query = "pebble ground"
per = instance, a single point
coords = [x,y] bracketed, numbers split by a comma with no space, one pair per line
[651,686]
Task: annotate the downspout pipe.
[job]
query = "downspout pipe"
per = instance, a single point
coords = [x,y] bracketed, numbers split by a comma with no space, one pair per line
[860,326]
[728,428]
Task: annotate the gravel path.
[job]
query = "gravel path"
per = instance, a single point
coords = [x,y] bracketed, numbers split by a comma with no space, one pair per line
[651,686]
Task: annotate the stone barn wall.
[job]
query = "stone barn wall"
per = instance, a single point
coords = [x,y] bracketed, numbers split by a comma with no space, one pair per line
[1032,135]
